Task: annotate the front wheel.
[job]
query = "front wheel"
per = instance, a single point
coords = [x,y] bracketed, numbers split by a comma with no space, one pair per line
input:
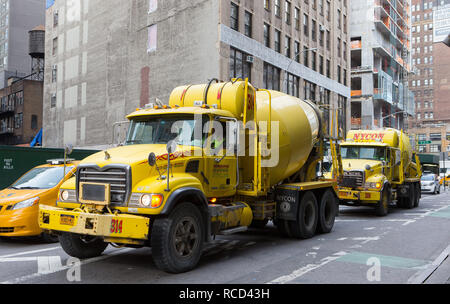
[383,205]
[82,247]
[177,240]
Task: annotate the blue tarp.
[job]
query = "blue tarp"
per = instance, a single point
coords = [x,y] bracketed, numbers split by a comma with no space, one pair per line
[50,3]
[37,141]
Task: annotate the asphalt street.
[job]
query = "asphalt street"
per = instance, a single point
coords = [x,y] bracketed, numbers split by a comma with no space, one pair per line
[407,246]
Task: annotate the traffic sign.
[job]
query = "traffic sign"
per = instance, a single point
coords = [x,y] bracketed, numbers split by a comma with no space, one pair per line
[426,142]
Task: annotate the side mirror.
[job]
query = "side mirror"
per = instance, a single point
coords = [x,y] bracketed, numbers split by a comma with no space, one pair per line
[68,149]
[152,159]
[171,147]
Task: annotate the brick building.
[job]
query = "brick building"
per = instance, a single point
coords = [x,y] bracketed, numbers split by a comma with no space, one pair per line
[20,111]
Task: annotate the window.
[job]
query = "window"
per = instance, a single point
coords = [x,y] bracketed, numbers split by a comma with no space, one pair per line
[55,18]
[239,66]
[328,68]
[435,148]
[234,17]
[152,38]
[277,41]
[297,51]
[321,37]
[297,18]
[267,4]
[271,77]
[248,24]
[152,6]
[305,56]
[55,46]
[287,13]
[339,76]
[328,40]
[339,47]
[435,136]
[34,122]
[339,21]
[53,101]
[313,61]
[267,35]
[321,64]
[287,46]
[54,73]
[314,30]
[292,85]
[277,8]
[305,25]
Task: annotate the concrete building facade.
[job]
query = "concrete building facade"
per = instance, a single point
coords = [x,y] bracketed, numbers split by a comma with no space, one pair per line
[17,17]
[106,58]
[381,64]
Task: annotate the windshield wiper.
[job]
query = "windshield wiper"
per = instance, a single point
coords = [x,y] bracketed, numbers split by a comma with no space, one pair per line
[28,188]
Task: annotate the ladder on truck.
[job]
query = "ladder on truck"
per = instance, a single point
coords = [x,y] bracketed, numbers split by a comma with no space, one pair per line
[338,170]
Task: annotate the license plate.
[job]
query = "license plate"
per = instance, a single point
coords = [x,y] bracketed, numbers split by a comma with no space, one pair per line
[68,220]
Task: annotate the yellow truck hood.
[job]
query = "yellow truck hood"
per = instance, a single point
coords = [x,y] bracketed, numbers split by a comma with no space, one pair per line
[134,155]
[358,164]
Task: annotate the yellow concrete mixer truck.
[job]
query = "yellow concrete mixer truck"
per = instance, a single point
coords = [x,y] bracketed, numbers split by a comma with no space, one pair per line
[217,159]
[380,167]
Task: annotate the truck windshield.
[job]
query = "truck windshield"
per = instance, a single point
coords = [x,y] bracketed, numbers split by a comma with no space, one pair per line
[369,153]
[162,129]
[41,178]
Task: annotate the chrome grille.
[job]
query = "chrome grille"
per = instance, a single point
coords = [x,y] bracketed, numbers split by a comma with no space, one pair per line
[117,178]
[353,179]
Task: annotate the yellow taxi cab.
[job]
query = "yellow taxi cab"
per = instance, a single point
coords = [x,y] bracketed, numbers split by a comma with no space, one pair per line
[446,179]
[19,204]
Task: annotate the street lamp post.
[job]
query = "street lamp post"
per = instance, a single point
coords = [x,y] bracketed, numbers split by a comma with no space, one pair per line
[286,80]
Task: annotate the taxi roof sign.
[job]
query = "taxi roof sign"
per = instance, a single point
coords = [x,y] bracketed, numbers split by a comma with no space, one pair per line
[59,161]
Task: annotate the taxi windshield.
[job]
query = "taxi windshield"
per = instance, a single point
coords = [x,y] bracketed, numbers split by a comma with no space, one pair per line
[369,153]
[164,128]
[428,178]
[41,178]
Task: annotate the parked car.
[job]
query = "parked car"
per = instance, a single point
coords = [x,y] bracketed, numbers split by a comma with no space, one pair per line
[430,183]
[19,204]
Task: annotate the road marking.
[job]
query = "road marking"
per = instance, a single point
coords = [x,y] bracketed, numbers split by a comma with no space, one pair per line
[29,252]
[308,268]
[366,240]
[52,263]
[46,264]
[422,276]
[386,261]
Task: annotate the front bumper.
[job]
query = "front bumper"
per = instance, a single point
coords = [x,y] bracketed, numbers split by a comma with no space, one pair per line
[119,228]
[19,223]
[359,196]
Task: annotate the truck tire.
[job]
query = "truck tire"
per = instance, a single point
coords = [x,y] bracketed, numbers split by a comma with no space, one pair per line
[327,212]
[382,208]
[81,247]
[410,201]
[177,240]
[307,219]
[48,238]
[417,196]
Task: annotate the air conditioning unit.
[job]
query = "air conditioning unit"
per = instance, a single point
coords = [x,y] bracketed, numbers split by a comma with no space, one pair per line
[250,59]
[322,28]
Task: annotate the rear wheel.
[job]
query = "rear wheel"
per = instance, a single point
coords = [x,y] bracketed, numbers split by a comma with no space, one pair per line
[177,240]
[82,247]
[418,191]
[327,212]
[411,200]
[307,219]
[383,205]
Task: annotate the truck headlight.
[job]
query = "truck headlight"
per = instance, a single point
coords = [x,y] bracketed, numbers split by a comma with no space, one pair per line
[374,186]
[151,200]
[67,195]
[25,204]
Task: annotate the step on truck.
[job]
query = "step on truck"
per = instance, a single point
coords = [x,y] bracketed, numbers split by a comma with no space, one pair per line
[379,167]
[218,159]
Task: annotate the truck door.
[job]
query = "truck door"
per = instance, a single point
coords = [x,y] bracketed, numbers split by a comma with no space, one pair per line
[220,161]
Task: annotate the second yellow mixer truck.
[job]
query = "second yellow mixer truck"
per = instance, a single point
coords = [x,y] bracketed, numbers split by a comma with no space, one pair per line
[174,184]
[380,167]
